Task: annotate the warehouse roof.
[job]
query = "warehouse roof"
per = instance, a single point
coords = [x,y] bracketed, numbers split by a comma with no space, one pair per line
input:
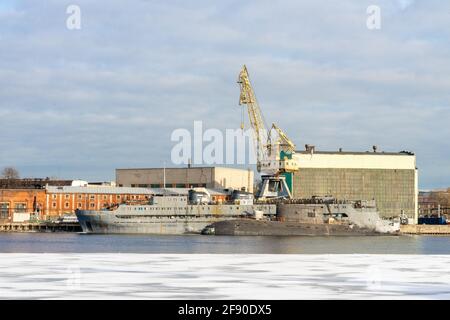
[126,190]
[183,168]
[382,153]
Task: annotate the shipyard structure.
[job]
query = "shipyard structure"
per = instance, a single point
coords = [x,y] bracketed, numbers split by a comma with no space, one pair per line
[388,178]
[391,179]
[191,177]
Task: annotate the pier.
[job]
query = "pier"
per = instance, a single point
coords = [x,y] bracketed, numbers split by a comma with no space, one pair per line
[425,229]
[40,227]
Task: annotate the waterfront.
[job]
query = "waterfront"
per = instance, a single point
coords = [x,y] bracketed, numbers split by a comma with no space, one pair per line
[82,243]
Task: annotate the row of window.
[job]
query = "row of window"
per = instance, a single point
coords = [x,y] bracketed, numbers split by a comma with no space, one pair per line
[159,217]
[157,208]
[19,207]
[165,208]
[105,197]
[168,185]
[67,205]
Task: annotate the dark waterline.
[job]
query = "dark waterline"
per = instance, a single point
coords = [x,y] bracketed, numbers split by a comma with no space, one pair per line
[82,243]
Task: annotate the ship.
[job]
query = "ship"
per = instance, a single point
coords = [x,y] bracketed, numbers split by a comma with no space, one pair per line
[172,214]
[317,216]
[169,213]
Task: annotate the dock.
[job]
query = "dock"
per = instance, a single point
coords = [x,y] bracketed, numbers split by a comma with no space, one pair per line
[40,227]
[425,229]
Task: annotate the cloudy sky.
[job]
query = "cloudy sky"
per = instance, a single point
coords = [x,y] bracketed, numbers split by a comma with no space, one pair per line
[80,103]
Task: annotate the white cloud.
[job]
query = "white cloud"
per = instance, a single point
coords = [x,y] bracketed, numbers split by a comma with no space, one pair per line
[404,4]
[135,72]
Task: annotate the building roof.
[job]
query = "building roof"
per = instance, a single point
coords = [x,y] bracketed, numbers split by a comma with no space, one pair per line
[183,168]
[356,160]
[97,189]
[31,183]
[126,190]
[381,153]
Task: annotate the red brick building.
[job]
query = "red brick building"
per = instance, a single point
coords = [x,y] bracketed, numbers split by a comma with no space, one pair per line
[60,200]
[21,201]
[65,200]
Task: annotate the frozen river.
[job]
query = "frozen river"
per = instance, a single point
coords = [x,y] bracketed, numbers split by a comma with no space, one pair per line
[77,266]
[223,276]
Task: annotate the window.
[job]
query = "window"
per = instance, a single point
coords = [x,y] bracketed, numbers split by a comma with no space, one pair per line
[53,204]
[92,197]
[92,205]
[80,205]
[54,196]
[67,205]
[20,207]
[67,196]
[155,185]
[4,210]
[105,197]
[118,197]
[80,196]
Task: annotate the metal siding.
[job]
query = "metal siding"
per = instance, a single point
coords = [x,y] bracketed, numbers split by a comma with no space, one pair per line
[394,190]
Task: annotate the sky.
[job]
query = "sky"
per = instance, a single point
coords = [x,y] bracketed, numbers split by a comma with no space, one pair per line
[77,104]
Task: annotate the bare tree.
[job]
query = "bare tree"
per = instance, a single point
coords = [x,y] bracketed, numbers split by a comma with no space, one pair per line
[10,173]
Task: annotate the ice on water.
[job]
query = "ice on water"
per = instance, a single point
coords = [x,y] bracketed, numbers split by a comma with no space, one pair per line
[222,276]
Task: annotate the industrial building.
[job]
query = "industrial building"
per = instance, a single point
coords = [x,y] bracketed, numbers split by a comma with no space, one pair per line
[434,202]
[208,177]
[389,178]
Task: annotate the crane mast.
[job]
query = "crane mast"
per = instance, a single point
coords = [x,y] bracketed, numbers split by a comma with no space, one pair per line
[273,147]
[260,132]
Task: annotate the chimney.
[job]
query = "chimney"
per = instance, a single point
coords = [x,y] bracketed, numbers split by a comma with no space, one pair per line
[310,148]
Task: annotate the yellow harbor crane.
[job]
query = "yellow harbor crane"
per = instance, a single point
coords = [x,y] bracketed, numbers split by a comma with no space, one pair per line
[274,150]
